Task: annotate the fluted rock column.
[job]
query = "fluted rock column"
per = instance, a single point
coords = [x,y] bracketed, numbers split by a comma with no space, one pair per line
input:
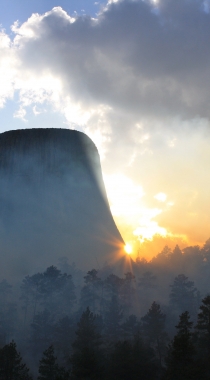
[53,202]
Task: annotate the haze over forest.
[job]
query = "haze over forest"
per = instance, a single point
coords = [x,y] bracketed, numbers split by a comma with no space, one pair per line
[148,318]
[67,324]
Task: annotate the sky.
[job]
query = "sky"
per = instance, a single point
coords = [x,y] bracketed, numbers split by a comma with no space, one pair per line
[134,75]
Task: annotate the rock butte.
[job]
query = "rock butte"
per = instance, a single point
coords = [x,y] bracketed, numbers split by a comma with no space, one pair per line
[53,203]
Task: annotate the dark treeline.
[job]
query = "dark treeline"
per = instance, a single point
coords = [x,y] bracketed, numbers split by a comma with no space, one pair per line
[151,323]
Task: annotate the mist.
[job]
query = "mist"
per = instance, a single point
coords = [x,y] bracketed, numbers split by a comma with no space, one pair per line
[67,310]
[68,291]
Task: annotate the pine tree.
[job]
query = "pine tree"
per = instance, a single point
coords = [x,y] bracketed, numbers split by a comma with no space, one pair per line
[86,358]
[176,259]
[41,332]
[203,336]
[147,287]
[113,317]
[8,312]
[153,325]
[203,324]
[49,368]
[130,327]
[11,365]
[91,292]
[121,361]
[181,353]
[131,359]
[57,291]
[64,335]
[128,292]
[50,290]
[183,294]
[113,286]
[206,251]
[30,294]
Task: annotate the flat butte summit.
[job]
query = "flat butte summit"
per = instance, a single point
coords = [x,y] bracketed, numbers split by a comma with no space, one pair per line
[53,203]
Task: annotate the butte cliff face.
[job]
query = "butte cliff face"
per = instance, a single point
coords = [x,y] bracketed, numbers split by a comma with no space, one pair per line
[53,202]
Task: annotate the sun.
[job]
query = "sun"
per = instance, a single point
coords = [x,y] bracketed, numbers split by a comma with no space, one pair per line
[128,249]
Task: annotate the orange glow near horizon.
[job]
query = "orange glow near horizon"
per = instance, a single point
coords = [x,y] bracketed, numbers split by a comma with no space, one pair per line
[150,220]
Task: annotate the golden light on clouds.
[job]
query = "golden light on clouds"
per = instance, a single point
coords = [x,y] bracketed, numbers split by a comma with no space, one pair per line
[133,218]
[146,221]
[148,227]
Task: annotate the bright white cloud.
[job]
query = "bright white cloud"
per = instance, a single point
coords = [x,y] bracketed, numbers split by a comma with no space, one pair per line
[149,230]
[8,68]
[127,207]
[147,227]
[20,114]
[161,197]
[124,196]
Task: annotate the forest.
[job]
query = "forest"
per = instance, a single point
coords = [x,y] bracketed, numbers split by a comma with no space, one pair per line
[152,322]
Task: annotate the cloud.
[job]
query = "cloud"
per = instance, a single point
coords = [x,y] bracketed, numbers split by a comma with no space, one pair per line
[20,114]
[8,63]
[136,79]
[124,195]
[128,57]
[161,197]
[142,66]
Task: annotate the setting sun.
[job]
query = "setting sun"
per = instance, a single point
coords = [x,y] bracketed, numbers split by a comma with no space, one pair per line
[128,249]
